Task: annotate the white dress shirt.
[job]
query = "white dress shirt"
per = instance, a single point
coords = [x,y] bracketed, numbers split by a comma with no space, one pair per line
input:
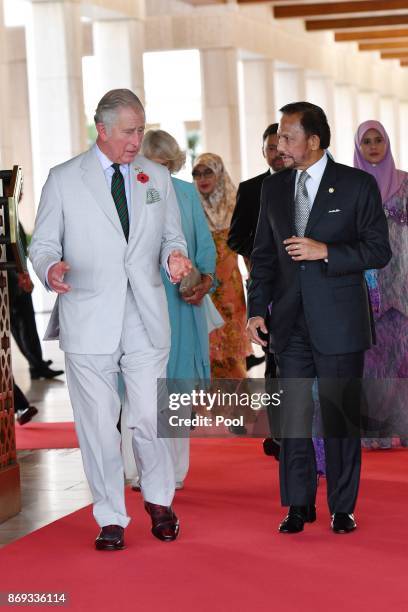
[108,171]
[315,173]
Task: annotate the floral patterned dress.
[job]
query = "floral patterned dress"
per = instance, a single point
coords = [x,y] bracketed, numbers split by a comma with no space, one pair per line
[388,359]
[229,345]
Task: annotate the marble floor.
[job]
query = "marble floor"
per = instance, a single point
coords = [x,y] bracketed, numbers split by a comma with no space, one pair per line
[53,483]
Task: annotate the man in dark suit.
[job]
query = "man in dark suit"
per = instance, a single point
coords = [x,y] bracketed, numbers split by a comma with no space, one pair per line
[241,240]
[245,217]
[320,226]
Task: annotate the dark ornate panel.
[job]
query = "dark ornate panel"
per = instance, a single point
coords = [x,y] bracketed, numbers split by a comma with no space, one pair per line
[7,439]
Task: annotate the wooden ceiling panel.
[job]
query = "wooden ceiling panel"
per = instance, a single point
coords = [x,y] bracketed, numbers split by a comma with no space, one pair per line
[356,22]
[333,8]
[356,17]
[384,45]
[395,55]
[357,35]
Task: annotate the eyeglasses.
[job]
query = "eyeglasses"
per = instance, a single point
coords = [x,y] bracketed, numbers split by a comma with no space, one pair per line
[204,174]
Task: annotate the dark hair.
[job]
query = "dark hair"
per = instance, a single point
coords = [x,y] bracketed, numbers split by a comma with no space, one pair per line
[270,130]
[313,120]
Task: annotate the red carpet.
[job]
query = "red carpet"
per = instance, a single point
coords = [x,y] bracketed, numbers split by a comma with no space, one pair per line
[45,435]
[229,556]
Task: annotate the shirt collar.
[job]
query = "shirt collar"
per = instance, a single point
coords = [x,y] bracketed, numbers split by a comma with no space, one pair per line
[315,171]
[106,162]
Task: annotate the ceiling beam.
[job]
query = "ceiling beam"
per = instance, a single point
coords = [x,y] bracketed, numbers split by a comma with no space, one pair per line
[370,35]
[357,22]
[324,8]
[403,44]
[395,55]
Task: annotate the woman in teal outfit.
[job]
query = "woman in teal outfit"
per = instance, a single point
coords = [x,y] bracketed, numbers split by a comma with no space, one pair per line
[189,352]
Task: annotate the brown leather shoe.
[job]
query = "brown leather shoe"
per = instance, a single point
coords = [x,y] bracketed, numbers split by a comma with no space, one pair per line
[110,537]
[165,524]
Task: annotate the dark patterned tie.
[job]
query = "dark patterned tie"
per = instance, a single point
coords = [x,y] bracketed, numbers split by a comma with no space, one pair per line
[119,197]
[302,205]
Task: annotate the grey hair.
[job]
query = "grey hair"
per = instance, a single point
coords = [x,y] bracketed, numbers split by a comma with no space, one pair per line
[162,145]
[110,103]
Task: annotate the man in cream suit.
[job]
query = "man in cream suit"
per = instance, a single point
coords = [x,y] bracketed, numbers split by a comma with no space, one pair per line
[107,219]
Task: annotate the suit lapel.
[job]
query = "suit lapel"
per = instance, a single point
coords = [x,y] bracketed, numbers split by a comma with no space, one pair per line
[324,197]
[95,181]
[286,209]
[138,197]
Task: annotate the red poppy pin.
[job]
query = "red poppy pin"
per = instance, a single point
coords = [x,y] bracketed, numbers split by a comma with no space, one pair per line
[142,177]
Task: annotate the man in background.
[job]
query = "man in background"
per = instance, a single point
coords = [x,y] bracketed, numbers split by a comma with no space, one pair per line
[241,240]
[245,217]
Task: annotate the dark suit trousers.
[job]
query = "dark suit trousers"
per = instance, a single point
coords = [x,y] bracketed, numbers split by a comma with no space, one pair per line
[23,325]
[339,394]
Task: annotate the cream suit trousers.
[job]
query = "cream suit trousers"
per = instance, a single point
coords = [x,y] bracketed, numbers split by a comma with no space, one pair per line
[93,389]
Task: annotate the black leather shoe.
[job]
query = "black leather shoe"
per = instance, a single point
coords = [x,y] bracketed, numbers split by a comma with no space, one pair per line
[238,430]
[296,518]
[271,447]
[165,524]
[110,537]
[44,372]
[343,522]
[253,360]
[26,414]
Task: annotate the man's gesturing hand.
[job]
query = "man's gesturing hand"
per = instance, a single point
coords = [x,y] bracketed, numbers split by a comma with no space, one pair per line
[56,277]
[301,249]
[252,329]
[179,266]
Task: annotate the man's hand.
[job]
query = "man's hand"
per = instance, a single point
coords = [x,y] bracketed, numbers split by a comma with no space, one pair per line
[252,330]
[56,277]
[179,266]
[199,291]
[25,282]
[301,249]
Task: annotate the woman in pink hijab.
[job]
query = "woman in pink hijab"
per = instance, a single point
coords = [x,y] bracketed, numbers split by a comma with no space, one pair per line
[388,359]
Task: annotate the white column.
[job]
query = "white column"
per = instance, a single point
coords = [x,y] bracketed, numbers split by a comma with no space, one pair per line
[5,135]
[367,106]
[290,86]
[399,142]
[345,123]
[257,111]
[403,121]
[19,121]
[118,50]
[388,117]
[320,91]
[220,102]
[54,46]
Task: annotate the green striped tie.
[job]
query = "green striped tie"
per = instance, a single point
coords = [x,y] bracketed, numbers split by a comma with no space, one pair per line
[119,197]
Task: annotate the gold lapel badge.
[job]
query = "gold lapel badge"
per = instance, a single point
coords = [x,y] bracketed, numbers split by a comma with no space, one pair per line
[331,189]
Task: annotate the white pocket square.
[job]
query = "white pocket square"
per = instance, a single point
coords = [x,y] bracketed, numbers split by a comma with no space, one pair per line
[335,210]
[152,195]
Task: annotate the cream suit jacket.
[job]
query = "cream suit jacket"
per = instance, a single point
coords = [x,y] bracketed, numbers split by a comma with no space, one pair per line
[77,221]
